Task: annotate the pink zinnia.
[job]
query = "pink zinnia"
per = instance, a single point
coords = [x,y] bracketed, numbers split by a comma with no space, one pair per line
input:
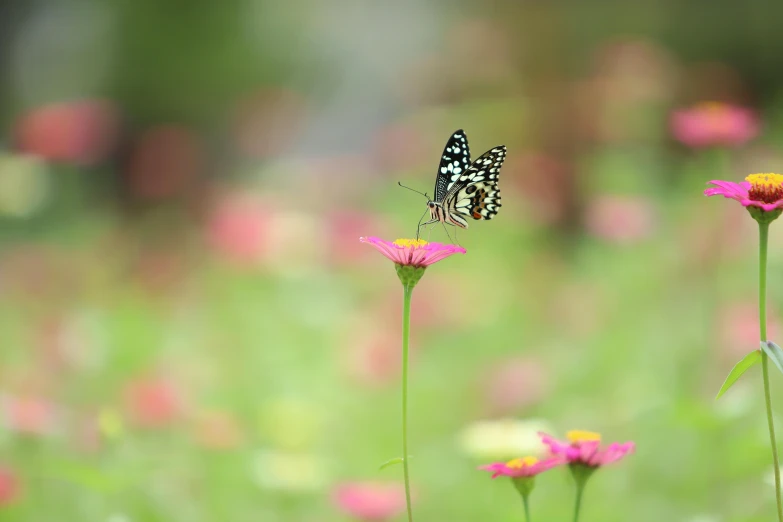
[584,448]
[714,124]
[9,486]
[370,501]
[764,191]
[413,252]
[524,467]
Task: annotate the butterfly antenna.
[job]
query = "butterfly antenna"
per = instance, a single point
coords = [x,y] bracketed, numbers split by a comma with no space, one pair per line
[414,190]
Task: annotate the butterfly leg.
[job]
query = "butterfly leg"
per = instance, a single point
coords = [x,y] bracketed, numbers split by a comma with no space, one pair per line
[418,227]
[447,232]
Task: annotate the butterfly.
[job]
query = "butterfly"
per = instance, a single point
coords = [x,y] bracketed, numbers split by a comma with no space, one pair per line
[463,189]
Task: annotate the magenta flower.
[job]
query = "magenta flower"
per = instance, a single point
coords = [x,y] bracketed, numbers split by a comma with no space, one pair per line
[524,467]
[413,252]
[584,447]
[714,124]
[370,501]
[764,191]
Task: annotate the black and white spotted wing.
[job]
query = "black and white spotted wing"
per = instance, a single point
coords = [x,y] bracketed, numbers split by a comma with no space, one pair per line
[453,163]
[476,193]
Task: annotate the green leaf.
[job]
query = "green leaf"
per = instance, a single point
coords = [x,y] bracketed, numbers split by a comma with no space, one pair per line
[741,367]
[774,352]
[392,462]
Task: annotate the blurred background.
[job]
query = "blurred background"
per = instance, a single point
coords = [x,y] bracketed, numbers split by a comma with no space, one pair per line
[191,330]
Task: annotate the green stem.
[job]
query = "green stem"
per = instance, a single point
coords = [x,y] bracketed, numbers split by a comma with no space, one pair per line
[580,487]
[763,241]
[406,323]
[527,508]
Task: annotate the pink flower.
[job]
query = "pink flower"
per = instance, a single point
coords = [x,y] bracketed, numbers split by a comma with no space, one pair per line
[239,228]
[413,252]
[524,467]
[82,132]
[153,402]
[621,219]
[218,430]
[714,124]
[370,501]
[584,448]
[29,415]
[515,383]
[764,191]
[9,486]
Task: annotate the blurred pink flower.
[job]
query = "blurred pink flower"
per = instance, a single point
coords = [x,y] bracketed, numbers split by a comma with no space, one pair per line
[153,402]
[373,356]
[413,252]
[764,191]
[238,228]
[370,501]
[739,328]
[165,161]
[81,132]
[218,430]
[514,384]
[10,488]
[547,184]
[584,448]
[621,219]
[714,124]
[29,415]
[524,467]
[343,226]
[268,121]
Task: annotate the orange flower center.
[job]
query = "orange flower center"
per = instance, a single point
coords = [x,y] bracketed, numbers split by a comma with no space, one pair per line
[414,243]
[583,436]
[767,188]
[521,463]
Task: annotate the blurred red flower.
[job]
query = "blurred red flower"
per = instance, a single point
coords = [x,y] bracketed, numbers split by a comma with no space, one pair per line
[153,402]
[81,132]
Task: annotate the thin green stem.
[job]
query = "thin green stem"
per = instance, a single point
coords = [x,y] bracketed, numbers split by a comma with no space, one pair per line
[527,508]
[406,324]
[580,487]
[763,241]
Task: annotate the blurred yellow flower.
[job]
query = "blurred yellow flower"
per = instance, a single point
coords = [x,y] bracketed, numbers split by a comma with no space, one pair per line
[288,471]
[503,438]
[290,424]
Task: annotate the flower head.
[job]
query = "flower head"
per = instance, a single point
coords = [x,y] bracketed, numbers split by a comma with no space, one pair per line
[714,124]
[758,191]
[370,501]
[413,252]
[524,467]
[584,448]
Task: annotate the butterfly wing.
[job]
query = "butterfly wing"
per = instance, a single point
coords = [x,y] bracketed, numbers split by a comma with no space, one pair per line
[476,193]
[453,163]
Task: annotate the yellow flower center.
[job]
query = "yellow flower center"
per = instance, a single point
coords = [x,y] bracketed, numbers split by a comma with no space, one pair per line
[521,463]
[415,243]
[711,106]
[767,187]
[583,436]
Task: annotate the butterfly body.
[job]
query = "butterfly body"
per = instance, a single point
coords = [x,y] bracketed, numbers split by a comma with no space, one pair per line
[464,189]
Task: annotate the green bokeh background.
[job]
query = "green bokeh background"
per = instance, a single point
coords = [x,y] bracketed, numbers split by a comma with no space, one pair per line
[629,337]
